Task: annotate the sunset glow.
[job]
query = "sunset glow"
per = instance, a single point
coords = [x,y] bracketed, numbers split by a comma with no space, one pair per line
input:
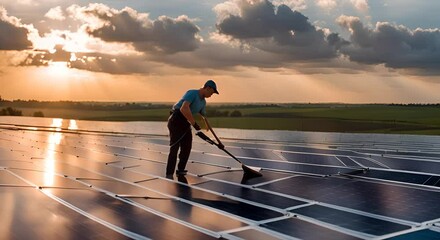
[288,51]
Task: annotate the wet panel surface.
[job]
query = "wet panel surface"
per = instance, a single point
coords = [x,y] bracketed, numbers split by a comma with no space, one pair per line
[311,159]
[9,179]
[47,179]
[120,160]
[419,235]
[304,230]
[127,216]
[254,235]
[351,221]
[250,194]
[198,216]
[394,201]
[231,206]
[238,177]
[27,213]
[121,188]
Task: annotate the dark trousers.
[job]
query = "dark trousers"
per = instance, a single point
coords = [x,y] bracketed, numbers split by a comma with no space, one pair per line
[180,138]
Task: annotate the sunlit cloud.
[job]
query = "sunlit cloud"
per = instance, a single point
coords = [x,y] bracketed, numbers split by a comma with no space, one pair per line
[278,30]
[360,5]
[14,34]
[261,34]
[326,4]
[293,4]
[163,35]
[395,46]
[55,13]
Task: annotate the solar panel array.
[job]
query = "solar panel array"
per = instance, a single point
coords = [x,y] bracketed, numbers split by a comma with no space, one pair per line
[74,182]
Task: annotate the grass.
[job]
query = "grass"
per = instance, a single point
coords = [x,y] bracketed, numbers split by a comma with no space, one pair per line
[297,117]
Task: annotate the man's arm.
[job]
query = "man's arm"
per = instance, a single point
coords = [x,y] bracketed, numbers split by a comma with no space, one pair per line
[186,111]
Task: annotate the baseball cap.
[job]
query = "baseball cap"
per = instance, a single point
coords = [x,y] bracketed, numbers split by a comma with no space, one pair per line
[210,83]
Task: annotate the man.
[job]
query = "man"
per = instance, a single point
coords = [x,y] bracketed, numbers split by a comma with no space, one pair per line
[180,122]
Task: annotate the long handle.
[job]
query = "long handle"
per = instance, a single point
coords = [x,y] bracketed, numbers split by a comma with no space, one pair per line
[210,128]
[230,154]
[218,140]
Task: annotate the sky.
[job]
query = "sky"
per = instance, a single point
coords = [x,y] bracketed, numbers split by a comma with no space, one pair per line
[286,51]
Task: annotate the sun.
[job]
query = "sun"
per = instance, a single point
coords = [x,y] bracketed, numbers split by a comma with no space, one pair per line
[58,68]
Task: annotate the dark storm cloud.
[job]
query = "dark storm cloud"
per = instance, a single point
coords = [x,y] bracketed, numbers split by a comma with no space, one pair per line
[94,62]
[220,56]
[395,46]
[278,30]
[43,57]
[13,35]
[163,35]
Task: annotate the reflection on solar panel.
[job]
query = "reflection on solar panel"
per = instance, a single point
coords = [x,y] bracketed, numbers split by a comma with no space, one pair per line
[102,180]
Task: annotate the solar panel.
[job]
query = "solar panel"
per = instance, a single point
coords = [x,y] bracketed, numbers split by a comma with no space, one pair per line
[107,181]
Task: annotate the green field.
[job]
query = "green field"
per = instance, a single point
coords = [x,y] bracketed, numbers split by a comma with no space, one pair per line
[368,118]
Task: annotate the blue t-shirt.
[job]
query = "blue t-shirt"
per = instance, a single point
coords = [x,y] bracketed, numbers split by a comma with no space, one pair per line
[197,104]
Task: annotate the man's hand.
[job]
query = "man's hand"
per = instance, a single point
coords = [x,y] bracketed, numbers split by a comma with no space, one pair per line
[204,137]
[197,127]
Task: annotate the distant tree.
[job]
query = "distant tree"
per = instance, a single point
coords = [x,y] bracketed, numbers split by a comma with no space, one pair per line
[235,113]
[38,114]
[10,112]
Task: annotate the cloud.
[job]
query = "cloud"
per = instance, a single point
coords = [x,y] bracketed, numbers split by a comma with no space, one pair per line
[164,35]
[395,46]
[55,13]
[13,34]
[326,4]
[360,5]
[277,30]
[293,4]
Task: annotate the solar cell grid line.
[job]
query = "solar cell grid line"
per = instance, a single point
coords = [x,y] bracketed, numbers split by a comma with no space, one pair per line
[133,200]
[113,227]
[347,220]
[101,190]
[334,227]
[246,211]
[197,225]
[413,233]
[10,179]
[76,159]
[307,150]
[46,179]
[432,180]
[358,163]
[431,222]
[409,158]
[170,195]
[311,158]
[368,214]
[377,162]
[419,165]
[221,209]
[412,157]
[413,204]
[297,167]
[70,149]
[394,176]
[257,233]
[303,229]
[349,162]
[248,194]
[255,160]
[31,204]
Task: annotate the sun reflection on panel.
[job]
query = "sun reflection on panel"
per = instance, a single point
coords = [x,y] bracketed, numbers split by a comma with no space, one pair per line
[57,123]
[49,161]
[72,125]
